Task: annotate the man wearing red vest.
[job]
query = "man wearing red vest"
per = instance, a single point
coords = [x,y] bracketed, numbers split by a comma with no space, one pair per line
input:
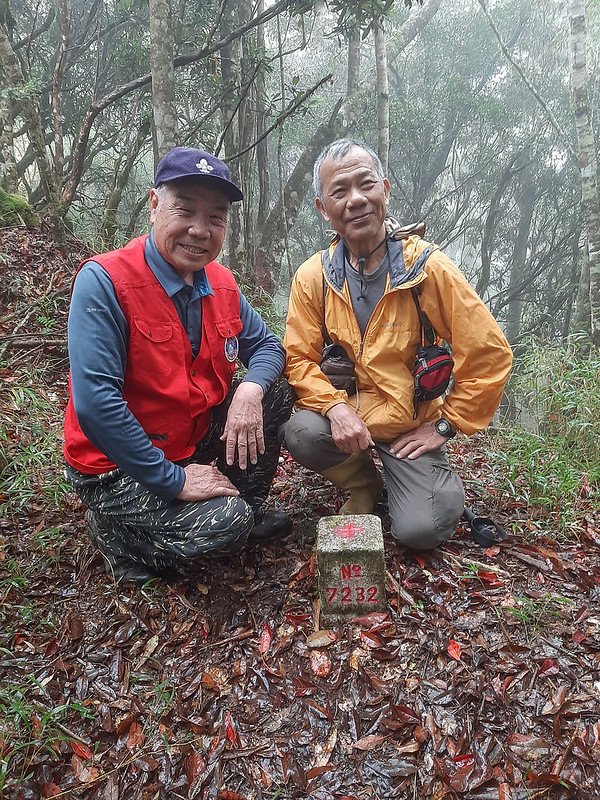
[171,455]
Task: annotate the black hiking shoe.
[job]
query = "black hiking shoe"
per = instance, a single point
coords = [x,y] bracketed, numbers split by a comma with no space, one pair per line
[124,570]
[270,524]
[119,566]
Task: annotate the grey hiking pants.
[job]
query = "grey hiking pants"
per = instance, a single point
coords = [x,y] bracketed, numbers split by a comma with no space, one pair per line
[425,497]
[131,524]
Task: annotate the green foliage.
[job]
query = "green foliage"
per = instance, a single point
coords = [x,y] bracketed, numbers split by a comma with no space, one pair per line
[30,458]
[30,726]
[15,210]
[360,13]
[28,89]
[266,307]
[534,614]
[553,452]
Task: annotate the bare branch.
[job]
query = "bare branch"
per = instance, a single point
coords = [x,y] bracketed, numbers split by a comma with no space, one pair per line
[546,109]
[283,116]
[37,32]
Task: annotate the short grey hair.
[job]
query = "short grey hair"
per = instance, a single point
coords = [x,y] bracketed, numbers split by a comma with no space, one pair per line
[161,190]
[336,151]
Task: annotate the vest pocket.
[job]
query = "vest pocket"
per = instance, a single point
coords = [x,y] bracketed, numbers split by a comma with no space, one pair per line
[229,327]
[153,331]
[152,347]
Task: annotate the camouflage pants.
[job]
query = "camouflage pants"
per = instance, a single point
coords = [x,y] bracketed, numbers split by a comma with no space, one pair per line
[132,525]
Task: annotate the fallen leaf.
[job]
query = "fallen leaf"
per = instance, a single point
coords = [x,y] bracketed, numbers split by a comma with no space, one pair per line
[150,647]
[266,637]
[454,650]
[320,663]
[527,746]
[549,666]
[192,764]
[321,638]
[490,578]
[370,639]
[80,749]
[492,551]
[135,737]
[208,682]
[83,772]
[374,618]
[368,742]
[406,714]
[230,731]
[74,627]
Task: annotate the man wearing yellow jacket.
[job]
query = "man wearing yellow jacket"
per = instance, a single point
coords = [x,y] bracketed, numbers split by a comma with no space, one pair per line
[358,292]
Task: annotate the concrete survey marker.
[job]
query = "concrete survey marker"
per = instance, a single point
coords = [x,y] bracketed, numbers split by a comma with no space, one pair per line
[351,565]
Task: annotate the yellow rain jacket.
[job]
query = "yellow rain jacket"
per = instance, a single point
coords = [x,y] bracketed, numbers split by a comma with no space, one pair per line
[384,358]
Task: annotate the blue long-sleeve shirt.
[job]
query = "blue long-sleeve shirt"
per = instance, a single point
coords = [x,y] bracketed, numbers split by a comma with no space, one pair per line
[98,337]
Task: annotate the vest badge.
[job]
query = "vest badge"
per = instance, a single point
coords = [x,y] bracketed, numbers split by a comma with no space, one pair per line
[232,348]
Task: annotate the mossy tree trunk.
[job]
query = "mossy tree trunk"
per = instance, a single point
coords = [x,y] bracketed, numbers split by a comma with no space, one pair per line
[12,78]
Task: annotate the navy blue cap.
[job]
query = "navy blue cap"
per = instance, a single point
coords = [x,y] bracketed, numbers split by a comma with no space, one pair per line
[187,162]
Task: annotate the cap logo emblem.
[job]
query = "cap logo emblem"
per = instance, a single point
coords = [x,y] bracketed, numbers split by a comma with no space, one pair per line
[204,166]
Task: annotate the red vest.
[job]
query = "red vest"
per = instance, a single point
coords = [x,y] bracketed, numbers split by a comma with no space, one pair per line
[170,394]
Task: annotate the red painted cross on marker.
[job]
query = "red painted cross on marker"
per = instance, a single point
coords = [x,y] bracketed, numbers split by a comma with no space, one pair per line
[349,530]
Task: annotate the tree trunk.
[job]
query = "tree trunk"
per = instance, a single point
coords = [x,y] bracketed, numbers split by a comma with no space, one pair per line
[572,287]
[525,202]
[230,59]
[271,248]
[162,52]
[413,27]
[57,88]
[9,179]
[383,96]
[108,228]
[272,241]
[12,76]
[588,166]
[262,152]
[489,227]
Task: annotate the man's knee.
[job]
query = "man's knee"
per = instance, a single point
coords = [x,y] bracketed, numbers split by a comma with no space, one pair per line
[304,435]
[278,403]
[419,534]
[426,524]
[225,531]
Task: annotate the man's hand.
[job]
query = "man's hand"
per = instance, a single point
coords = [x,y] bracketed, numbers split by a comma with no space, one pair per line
[349,432]
[244,425]
[415,443]
[203,481]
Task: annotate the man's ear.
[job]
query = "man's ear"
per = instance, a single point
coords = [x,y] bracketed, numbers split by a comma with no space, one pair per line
[321,209]
[387,187]
[154,200]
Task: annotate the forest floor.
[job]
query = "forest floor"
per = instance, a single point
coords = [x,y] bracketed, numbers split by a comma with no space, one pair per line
[482,679]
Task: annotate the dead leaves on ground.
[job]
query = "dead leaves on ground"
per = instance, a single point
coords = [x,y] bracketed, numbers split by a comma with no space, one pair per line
[481,681]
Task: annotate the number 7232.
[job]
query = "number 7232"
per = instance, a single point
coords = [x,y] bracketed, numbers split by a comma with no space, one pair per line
[352,594]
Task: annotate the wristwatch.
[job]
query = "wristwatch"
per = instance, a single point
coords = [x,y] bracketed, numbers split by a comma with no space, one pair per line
[445,428]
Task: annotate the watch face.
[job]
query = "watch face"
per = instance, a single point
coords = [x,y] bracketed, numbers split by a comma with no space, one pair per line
[443,427]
